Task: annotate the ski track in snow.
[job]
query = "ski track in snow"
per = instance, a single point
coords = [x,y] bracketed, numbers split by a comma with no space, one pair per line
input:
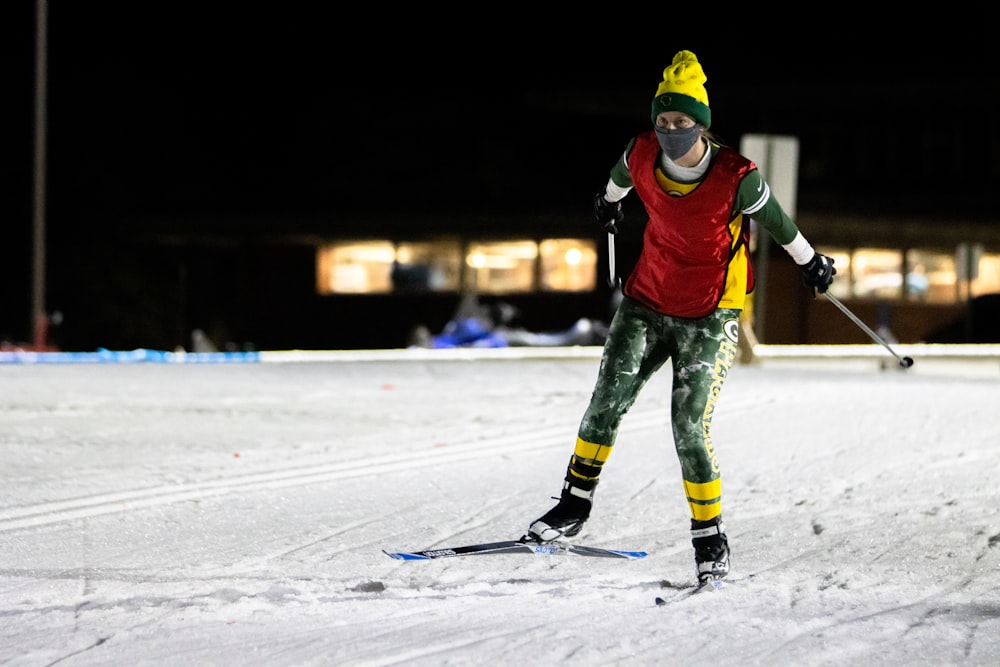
[863,505]
[77,508]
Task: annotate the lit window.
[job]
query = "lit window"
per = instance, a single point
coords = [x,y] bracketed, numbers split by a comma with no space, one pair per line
[503,267]
[354,268]
[568,265]
[930,277]
[877,273]
[987,278]
[432,266]
[373,267]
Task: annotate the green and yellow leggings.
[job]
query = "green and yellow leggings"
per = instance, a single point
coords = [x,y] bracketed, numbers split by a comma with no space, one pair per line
[640,341]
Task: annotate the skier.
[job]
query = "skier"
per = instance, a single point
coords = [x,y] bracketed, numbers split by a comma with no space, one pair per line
[682,301]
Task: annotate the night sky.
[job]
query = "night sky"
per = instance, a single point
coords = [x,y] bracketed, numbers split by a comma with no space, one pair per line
[225,106]
[194,111]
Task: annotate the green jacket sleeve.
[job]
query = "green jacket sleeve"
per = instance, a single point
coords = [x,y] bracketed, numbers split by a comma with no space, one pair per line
[757,201]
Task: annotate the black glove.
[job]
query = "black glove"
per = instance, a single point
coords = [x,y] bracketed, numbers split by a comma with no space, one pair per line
[818,273]
[607,213]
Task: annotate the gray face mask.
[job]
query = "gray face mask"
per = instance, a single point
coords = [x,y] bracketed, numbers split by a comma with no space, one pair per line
[676,143]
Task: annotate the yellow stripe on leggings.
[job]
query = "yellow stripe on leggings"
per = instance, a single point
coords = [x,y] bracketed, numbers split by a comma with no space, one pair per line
[710,491]
[590,451]
[705,499]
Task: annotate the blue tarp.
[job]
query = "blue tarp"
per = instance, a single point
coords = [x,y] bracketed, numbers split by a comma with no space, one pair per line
[102,356]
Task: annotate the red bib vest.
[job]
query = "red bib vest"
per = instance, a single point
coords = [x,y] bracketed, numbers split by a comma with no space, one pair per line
[688,242]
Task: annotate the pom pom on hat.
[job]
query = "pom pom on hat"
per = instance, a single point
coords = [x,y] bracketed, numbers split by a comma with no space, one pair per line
[683,89]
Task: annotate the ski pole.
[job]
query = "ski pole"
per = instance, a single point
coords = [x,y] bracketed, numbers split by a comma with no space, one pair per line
[612,279]
[904,362]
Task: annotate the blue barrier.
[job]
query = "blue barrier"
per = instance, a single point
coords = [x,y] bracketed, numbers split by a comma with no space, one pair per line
[103,356]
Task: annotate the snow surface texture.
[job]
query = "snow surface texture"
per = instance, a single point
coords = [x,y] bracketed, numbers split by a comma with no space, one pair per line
[236,514]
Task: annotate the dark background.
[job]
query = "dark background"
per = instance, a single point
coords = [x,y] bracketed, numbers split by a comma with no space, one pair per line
[232,120]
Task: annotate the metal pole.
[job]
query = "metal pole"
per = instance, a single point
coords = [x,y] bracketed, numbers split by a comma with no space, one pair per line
[904,362]
[38,276]
[612,278]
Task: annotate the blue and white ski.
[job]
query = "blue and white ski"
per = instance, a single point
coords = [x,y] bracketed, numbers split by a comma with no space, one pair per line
[554,548]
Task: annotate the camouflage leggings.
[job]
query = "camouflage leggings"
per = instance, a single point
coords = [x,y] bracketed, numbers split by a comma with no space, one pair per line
[701,352]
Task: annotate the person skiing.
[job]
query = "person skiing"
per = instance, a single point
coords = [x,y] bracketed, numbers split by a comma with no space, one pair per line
[681,302]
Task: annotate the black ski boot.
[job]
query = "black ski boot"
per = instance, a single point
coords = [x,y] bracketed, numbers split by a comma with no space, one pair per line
[711,549]
[566,519]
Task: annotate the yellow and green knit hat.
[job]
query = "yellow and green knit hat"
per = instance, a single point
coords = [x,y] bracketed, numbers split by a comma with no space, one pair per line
[683,89]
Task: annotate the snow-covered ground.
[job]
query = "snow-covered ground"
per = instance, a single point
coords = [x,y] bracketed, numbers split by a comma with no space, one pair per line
[235,514]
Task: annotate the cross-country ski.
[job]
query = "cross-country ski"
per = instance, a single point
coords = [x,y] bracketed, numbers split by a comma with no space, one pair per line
[516,546]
